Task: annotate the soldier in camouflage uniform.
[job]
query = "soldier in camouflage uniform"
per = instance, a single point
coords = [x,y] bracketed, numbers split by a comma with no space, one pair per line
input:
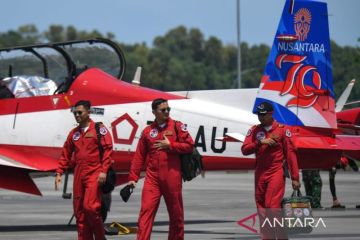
[313,184]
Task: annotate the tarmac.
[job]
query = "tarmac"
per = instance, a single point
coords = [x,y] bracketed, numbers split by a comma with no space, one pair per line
[213,206]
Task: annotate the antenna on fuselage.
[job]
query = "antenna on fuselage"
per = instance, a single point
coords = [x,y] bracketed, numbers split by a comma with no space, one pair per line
[344,96]
[188,88]
[137,76]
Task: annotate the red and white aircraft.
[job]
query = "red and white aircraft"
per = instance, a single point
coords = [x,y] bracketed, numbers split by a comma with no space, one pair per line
[36,118]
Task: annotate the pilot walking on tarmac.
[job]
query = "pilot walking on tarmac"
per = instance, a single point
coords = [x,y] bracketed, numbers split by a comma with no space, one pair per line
[272,145]
[160,147]
[89,172]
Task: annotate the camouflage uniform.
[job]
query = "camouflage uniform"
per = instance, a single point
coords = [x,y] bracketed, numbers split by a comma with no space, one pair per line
[312,182]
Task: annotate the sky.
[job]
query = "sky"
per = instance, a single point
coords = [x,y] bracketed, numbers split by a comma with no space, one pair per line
[137,21]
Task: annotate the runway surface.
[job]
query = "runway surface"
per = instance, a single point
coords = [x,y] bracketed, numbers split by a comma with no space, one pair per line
[213,206]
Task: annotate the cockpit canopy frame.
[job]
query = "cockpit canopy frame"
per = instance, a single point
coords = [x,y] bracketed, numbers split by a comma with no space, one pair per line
[72,56]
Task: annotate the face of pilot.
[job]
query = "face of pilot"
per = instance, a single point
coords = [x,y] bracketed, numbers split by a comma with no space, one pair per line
[81,114]
[265,119]
[162,113]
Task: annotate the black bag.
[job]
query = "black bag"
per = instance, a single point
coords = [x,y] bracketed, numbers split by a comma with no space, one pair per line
[299,208]
[125,192]
[110,181]
[191,163]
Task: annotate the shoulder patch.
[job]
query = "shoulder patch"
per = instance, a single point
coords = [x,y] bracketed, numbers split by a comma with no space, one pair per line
[184,127]
[288,133]
[76,136]
[249,132]
[103,131]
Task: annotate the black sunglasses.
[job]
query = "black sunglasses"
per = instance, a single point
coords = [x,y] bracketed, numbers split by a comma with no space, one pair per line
[165,109]
[77,113]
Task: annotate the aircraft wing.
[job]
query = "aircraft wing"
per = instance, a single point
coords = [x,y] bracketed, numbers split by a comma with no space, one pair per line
[232,137]
[350,144]
[343,142]
[320,152]
[16,162]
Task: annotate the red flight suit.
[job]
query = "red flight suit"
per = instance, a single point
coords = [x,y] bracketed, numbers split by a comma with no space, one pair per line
[87,193]
[269,174]
[163,176]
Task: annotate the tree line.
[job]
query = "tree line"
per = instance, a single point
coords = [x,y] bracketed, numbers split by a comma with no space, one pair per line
[184,59]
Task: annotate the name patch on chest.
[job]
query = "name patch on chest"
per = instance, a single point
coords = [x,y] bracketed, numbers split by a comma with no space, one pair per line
[89,135]
[168,133]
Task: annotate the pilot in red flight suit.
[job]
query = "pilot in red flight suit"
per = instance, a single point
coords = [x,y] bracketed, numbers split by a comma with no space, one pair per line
[272,145]
[159,149]
[89,173]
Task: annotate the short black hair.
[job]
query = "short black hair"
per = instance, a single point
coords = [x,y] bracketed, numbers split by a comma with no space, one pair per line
[156,102]
[85,103]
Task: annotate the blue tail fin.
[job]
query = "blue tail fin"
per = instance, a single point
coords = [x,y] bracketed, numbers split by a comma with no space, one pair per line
[298,74]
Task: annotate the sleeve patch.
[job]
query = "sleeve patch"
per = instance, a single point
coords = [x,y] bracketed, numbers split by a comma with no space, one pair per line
[103,131]
[288,133]
[249,133]
[184,127]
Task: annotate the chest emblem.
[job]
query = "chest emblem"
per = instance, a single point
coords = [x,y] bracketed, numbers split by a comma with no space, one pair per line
[153,133]
[260,135]
[76,136]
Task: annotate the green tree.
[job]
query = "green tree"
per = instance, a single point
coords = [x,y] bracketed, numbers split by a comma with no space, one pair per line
[346,66]
[55,33]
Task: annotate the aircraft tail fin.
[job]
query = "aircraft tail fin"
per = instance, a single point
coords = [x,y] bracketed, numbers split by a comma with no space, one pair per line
[298,76]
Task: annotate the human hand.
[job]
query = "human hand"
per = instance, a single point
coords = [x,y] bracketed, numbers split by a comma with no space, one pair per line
[296,185]
[269,141]
[132,183]
[162,144]
[102,178]
[57,181]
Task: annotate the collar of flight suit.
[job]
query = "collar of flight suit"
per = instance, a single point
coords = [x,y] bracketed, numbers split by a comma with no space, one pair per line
[91,126]
[274,125]
[168,122]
